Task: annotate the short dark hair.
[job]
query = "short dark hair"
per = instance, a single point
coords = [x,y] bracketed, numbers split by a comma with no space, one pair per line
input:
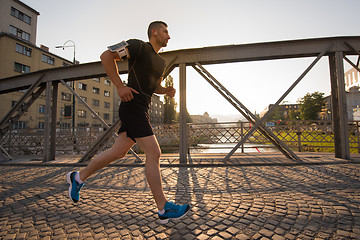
[155,25]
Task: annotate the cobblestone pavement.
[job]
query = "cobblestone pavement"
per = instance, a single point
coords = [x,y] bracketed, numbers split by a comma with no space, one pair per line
[239,202]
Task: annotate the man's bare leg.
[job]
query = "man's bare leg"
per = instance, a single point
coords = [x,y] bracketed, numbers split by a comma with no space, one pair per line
[75,179]
[152,151]
[120,148]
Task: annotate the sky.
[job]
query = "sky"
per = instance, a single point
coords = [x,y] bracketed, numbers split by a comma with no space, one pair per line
[93,25]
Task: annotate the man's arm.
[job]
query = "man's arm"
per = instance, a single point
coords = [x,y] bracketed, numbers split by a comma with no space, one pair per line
[169,91]
[108,60]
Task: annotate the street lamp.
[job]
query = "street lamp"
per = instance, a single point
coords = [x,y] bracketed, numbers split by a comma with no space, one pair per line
[64,46]
[73,83]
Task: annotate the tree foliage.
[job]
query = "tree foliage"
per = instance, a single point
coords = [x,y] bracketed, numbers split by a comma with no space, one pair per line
[311,105]
[170,104]
[276,114]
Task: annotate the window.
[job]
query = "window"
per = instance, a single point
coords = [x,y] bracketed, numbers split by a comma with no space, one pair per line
[82,113]
[96,79]
[21,68]
[82,86]
[13,30]
[106,116]
[106,105]
[20,15]
[42,109]
[65,125]
[47,59]
[107,82]
[96,90]
[65,64]
[95,102]
[19,125]
[41,125]
[19,33]
[106,93]
[23,50]
[65,96]
[67,113]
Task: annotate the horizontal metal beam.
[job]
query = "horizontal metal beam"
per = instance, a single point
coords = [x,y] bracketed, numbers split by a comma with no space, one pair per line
[207,55]
[265,51]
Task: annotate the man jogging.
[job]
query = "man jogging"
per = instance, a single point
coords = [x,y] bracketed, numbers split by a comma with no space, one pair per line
[146,68]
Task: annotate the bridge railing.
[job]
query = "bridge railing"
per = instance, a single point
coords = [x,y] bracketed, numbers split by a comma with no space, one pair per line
[302,136]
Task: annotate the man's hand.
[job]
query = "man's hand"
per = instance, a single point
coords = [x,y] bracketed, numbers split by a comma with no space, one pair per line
[170,91]
[126,93]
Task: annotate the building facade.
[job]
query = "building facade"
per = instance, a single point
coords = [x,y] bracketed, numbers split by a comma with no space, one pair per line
[352,79]
[19,20]
[205,118]
[19,55]
[285,108]
[352,104]
[156,111]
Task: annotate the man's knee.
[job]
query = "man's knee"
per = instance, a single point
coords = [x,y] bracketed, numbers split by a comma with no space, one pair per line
[154,154]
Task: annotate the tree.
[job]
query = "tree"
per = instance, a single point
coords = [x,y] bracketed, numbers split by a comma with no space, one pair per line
[187,116]
[276,114]
[294,114]
[311,105]
[170,104]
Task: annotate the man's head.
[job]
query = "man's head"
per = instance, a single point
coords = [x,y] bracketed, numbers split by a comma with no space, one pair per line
[158,30]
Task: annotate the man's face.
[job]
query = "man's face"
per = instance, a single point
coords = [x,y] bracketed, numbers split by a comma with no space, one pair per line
[162,35]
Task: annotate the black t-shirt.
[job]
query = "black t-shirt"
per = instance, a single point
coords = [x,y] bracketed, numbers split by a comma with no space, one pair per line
[146,67]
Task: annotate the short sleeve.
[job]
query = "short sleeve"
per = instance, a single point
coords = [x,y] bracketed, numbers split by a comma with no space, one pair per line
[134,48]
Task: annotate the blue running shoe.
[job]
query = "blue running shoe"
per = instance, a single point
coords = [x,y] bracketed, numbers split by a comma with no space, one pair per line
[74,188]
[173,212]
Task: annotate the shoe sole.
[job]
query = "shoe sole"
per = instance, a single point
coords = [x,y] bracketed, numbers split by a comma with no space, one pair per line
[165,221]
[68,179]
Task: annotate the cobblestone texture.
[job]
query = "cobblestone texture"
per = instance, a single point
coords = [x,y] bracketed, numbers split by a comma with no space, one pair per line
[251,202]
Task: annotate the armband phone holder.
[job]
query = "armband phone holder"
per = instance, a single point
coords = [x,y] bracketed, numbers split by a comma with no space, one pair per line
[121,49]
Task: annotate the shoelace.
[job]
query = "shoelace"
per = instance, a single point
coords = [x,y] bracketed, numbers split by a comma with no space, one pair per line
[174,207]
[79,186]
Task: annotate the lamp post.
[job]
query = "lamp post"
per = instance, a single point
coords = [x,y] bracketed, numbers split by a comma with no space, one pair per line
[73,83]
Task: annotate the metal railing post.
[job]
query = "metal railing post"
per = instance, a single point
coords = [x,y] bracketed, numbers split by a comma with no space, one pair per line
[183,125]
[340,118]
[242,135]
[358,135]
[47,130]
[298,127]
[55,86]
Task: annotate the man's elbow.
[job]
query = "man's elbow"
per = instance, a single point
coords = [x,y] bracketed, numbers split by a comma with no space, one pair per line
[105,55]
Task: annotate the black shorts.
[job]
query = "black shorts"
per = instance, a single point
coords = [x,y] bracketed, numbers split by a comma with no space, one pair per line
[135,121]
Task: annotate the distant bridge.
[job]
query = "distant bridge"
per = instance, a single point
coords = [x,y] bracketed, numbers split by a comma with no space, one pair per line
[335,48]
